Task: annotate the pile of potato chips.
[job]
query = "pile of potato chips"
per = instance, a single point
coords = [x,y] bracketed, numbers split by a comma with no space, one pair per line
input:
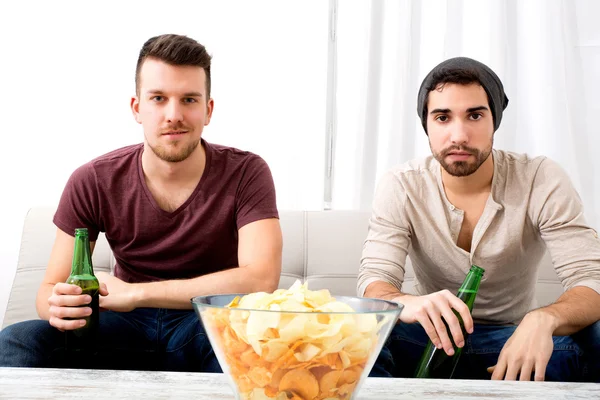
[300,353]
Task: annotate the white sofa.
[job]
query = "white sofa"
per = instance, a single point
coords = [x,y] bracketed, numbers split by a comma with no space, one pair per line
[322,247]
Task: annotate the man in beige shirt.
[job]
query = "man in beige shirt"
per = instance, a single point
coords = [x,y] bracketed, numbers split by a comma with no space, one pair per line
[468,204]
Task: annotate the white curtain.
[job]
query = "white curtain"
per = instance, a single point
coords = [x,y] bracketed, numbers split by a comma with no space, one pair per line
[547,53]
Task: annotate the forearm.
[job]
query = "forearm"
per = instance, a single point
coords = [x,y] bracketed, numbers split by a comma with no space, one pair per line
[41,301]
[383,290]
[573,311]
[176,294]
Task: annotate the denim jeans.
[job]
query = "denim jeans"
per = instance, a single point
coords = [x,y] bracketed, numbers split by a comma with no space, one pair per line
[143,339]
[575,358]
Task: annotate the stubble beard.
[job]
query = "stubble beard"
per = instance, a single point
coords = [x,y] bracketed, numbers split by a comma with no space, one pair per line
[462,168]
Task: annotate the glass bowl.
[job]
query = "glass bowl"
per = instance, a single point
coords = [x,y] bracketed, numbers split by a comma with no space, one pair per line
[306,355]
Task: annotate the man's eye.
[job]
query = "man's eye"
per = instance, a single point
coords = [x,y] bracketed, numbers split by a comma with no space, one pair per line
[189,100]
[157,98]
[441,118]
[476,117]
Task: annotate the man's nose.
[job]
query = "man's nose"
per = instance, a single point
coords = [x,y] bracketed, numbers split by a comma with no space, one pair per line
[459,133]
[173,112]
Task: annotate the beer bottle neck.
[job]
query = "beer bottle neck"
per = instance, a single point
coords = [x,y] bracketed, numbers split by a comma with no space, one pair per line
[82,257]
[469,288]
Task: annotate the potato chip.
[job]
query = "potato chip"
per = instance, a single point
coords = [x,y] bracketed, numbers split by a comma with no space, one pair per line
[300,382]
[307,352]
[351,375]
[329,381]
[260,375]
[273,350]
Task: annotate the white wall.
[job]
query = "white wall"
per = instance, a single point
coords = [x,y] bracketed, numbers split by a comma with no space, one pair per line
[67,75]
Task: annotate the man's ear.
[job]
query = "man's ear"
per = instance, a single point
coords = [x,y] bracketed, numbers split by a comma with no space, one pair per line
[135,109]
[210,106]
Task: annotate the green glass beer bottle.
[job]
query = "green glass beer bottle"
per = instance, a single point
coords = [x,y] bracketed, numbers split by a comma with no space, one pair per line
[82,275]
[435,363]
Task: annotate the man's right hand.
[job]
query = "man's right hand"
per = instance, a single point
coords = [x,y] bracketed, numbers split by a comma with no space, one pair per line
[65,309]
[428,310]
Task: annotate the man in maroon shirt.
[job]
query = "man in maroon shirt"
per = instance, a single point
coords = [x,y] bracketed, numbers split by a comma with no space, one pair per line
[183,218]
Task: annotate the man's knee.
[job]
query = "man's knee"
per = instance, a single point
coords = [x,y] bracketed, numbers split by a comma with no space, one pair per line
[588,340]
[19,334]
[402,352]
[28,344]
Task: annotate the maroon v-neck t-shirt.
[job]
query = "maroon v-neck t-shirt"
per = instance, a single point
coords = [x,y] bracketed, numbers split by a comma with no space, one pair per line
[109,194]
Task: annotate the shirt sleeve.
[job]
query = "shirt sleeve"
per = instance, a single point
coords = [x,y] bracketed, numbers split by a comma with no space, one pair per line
[556,209]
[78,206]
[388,239]
[255,197]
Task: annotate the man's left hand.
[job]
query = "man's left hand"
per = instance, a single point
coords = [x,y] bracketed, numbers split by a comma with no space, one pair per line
[528,350]
[122,295]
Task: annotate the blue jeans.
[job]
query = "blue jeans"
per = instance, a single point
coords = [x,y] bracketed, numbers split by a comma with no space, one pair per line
[575,358]
[143,339]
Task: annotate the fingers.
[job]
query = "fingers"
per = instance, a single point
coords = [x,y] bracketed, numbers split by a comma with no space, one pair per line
[70,312]
[540,370]
[462,310]
[446,302]
[440,305]
[66,295]
[499,369]
[425,322]
[66,325]
[517,368]
[103,289]
[454,326]
[66,301]
[436,315]
[443,334]
[431,317]
[505,368]
[512,371]
[69,300]
[66,288]
[526,370]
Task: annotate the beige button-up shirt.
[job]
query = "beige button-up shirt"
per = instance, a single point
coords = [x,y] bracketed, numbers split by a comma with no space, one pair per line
[532,207]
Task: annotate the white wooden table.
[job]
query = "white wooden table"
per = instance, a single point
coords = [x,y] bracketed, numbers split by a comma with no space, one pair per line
[29,383]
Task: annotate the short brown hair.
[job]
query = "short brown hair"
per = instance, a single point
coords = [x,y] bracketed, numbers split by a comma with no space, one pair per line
[174,50]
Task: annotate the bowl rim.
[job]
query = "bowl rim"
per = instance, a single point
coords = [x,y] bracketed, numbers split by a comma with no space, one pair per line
[396,307]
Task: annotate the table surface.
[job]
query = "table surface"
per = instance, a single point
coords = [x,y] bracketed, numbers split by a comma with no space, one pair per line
[38,383]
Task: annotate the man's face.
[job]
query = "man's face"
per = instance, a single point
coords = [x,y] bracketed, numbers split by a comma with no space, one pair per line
[172,107]
[460,126]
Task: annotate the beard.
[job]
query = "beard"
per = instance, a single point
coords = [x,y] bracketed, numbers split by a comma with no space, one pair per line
[175,151]
[462,168]
[174,154]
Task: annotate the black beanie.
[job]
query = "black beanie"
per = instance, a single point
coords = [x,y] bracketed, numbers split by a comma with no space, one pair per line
[487,78]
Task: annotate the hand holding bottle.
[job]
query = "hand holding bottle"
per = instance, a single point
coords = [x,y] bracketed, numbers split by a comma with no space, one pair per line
[428,310]
[435,363]
[66,311]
